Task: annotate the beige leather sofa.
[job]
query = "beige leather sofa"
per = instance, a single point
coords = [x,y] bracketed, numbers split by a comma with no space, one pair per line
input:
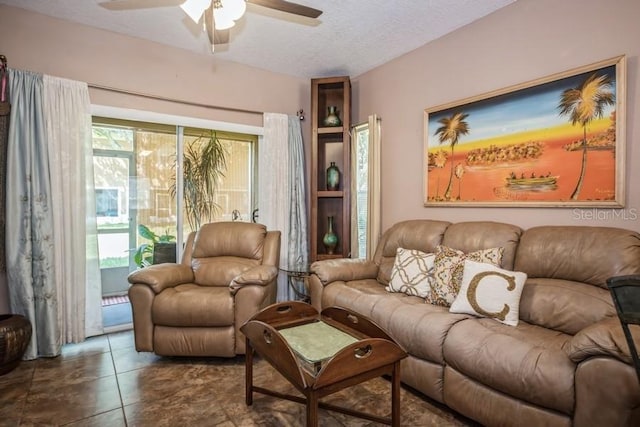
[565,363]
[196,308]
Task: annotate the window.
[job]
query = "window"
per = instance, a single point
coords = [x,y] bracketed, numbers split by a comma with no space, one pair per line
[107,202]
[361,178]
[365,193]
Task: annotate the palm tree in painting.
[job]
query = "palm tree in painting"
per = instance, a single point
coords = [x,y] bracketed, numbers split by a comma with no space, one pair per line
[451,130]
[459,172]
[584,104]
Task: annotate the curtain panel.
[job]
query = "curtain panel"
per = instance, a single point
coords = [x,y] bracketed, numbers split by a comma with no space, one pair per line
[297,243]
[68,118]
[282,191]
[5,109]
[46,215]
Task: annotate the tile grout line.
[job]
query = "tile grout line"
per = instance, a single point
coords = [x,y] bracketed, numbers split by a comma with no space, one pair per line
[26,398]
[113,361]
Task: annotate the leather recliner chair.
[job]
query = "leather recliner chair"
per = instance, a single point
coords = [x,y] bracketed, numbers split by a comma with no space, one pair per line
[195,308]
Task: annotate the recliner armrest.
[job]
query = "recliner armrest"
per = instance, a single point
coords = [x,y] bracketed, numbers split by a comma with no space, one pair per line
[344,269]
[260,275]
[604,338]
[162,276]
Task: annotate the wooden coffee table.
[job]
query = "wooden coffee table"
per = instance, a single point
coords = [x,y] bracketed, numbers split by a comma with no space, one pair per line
[322,353]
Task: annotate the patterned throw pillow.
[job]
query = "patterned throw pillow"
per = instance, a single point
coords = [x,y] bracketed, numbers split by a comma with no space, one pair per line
[489,291]
[412,273]
[448,269]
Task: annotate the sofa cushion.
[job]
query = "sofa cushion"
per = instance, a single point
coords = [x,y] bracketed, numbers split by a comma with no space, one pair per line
[489,291]
[193,305]
[221,270]
[579,253]
[412,273]
[239,239]
[422,234]
[448,267]
[418,328]
[472,236]
[492,408]
[564,305]
[527,362]
[605,338]
[359,295]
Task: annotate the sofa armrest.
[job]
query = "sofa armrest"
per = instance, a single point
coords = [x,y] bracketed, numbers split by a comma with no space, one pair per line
[260,275]
[344,269]
[604,338]
[162,276]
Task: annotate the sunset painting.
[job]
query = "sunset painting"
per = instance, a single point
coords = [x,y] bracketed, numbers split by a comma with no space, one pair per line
[558,141]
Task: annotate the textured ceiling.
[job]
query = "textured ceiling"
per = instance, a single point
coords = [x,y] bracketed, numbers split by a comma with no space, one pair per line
[349,38]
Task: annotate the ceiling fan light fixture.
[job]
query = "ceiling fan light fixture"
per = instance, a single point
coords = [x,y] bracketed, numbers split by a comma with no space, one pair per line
[195,8]
[226,12]
[222,22]
[234,8]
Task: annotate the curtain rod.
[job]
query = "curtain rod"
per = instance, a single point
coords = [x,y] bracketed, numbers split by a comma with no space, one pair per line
[177,101]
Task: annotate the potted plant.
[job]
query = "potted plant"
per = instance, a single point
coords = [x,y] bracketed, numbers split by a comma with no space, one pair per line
[204,164]
[162,248]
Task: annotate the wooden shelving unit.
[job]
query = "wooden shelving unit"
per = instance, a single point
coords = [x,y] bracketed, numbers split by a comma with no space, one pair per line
[330,144]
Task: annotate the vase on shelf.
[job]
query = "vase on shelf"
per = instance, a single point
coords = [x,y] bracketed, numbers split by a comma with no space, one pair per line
[333,177]
[330,238]
[332,118]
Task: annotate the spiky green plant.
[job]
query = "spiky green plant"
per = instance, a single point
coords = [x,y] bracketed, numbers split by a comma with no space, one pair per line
[204,165]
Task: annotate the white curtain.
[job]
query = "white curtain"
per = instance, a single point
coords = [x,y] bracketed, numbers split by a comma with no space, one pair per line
[67,112]
[47,208]
[282,191]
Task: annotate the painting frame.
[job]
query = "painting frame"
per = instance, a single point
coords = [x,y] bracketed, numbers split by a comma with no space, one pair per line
[528,152]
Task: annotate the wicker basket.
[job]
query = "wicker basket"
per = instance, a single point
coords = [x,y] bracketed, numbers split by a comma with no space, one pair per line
[15,334]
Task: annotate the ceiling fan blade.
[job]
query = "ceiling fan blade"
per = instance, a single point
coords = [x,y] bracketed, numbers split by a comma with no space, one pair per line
[288,7]
[138,4]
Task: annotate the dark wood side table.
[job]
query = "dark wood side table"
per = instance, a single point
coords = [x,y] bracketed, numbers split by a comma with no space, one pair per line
[282,335]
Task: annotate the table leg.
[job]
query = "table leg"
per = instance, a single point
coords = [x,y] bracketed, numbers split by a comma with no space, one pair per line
[312,408]
[248,373]
[294,280]
[395,395]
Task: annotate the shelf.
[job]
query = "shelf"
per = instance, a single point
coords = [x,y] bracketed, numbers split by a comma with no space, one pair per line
[330,144]
[327,256]
[334,129]
[326,194]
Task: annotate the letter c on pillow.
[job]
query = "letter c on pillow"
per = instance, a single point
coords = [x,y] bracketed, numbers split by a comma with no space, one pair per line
[473,286]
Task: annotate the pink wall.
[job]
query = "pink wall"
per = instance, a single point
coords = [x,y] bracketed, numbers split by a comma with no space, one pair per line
[60,48]
[528,39]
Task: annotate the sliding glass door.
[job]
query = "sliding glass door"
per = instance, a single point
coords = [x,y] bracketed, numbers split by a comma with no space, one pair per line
[138,185]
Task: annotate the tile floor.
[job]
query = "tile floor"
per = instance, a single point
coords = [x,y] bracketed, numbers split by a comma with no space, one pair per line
[105,382]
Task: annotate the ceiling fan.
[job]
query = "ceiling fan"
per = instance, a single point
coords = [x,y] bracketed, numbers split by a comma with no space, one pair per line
[219,15]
